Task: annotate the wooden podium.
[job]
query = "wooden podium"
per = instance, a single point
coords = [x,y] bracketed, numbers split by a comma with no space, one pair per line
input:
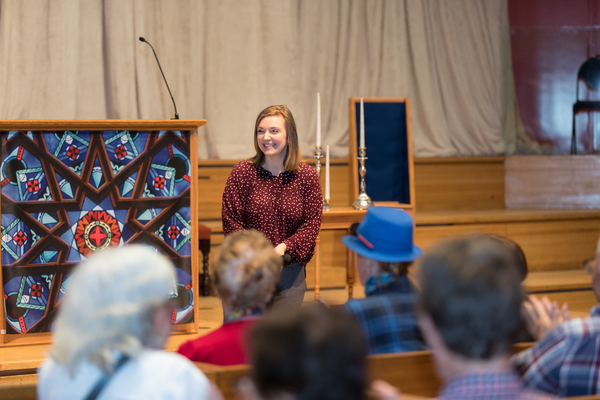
[71,188]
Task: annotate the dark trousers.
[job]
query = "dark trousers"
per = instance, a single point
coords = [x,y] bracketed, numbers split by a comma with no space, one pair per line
[292,285]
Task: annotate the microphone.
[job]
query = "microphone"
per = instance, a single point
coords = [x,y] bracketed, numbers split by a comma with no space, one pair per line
[163,75]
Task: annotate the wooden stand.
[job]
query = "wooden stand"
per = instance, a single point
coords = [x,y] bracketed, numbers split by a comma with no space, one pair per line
[391,165]
[80,154]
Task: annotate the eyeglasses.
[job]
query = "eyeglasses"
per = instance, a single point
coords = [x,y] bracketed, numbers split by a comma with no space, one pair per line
[591,263]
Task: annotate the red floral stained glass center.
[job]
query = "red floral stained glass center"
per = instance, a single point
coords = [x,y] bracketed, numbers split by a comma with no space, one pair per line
[96,231]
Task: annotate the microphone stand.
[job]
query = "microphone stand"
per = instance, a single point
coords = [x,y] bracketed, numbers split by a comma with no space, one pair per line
[163,75]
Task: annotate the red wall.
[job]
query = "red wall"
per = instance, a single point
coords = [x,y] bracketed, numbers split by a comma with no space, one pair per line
[550,40]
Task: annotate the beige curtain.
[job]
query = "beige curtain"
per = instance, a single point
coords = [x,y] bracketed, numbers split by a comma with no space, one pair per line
[228,59]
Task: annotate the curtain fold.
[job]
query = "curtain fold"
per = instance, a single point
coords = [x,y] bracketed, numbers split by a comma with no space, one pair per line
[226,60]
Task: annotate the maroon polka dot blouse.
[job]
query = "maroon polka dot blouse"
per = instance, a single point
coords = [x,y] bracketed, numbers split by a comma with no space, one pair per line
[286,208]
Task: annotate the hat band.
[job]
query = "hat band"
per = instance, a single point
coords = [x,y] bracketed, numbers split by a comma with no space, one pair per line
[365,241]
[388,246]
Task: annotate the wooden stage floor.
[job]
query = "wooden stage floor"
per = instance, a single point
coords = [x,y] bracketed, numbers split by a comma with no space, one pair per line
[17,358]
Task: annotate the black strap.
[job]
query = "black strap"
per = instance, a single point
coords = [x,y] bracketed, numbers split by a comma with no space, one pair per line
[106,378]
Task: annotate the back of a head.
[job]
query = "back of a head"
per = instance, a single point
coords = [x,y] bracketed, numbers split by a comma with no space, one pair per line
[311,353]
[471,289]
[108,305]
[247,270]
[519,254]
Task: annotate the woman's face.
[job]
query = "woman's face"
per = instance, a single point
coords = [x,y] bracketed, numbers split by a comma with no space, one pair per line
[272,137]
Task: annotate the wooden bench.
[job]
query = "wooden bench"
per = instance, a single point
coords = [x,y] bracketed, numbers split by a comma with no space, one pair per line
[18,387]
[411,372]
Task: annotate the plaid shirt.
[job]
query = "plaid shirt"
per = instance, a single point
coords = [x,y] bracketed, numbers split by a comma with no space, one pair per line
[497,386]
[387,315]
[567,361]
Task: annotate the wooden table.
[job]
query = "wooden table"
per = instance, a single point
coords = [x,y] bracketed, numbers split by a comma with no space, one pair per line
[337,218]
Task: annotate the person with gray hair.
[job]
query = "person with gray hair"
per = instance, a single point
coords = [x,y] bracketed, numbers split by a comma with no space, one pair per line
[245,276]
[111,328]
[469,312]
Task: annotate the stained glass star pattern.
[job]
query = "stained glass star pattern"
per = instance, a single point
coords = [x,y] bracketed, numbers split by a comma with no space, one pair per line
[69,194]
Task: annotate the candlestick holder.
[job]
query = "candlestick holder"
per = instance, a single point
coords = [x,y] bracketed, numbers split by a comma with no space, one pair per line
[318,155]
[363,200]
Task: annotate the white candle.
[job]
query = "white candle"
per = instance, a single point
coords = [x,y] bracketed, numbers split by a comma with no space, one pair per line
[362,123]
[318,119]
[327,174]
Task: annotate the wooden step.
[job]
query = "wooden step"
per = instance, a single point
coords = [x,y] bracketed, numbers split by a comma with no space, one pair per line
[557,281]
[573,287]
[501,215]
[552,240]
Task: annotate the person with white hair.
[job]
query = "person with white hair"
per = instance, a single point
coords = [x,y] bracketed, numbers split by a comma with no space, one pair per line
[110,332]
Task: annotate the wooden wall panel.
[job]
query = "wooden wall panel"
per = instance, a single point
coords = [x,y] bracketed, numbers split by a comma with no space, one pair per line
[425,236]
[469,183]
[548,245]
[334,259]
[556,245]
[459,183]
[580,301]
[211,183]
[553,182]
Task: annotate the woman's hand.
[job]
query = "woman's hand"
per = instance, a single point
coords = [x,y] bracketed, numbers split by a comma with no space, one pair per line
[280,249]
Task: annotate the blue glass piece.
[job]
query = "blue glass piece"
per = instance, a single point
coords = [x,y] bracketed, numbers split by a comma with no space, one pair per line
[126,188]
[147,215]
[97,178]
[65,187]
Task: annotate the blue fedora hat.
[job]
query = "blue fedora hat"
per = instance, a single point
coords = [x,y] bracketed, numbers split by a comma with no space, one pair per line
[384,234]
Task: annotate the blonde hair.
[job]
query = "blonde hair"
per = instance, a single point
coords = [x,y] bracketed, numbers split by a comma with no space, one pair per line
[109,305]
[247,270]
[293,156]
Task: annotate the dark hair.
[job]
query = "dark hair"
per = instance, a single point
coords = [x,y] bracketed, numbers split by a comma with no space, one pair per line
[471,290]
[518,253]
[313,353]
[293,156]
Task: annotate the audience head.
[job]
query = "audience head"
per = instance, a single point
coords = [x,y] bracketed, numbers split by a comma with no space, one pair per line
[117,300]
[470,299]
[293,155]
[309,353]
[383,241]
[519,254]
[247,271]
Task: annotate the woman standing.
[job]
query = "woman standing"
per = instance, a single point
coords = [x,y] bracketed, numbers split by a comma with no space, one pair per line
[278,195]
